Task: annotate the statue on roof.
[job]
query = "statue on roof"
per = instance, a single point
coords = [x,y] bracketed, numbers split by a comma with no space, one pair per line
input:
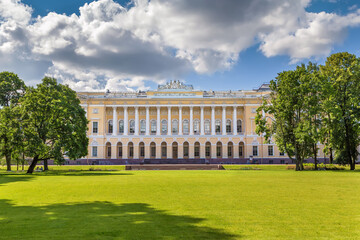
[175,84]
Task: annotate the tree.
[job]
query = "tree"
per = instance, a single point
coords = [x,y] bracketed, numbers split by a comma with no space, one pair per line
[342,74]
[288,105]
[54,123]
[11,89]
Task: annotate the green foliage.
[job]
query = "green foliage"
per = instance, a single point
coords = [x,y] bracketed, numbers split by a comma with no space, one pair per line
[11,88]
[342,104]
[53,122]
[292,106]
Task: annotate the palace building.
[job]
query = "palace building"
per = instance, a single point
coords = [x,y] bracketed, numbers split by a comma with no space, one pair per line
[176,124]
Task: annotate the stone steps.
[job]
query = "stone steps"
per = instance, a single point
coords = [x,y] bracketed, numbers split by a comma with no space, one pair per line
[175,167]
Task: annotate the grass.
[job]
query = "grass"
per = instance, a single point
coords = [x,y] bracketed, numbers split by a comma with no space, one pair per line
[272,203]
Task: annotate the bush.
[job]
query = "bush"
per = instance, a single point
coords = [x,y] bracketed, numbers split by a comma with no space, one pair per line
[321,166]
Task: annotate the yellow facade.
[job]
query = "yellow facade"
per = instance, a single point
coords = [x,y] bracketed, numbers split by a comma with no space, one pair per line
[178,124]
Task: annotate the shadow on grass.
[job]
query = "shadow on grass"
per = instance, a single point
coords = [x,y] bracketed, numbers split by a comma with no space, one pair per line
[14,177]
[80,173]
[100,220]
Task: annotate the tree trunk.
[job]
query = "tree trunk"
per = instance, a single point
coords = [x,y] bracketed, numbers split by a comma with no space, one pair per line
[8,162]
[331,156]
[352,164]
[33,165]
[315,156]
[23,161]
[46,168]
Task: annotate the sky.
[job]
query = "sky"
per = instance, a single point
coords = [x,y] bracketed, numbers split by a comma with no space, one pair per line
[136,45]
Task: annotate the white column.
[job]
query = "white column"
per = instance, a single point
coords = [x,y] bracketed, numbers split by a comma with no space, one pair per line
[158,124]
[115,122]
[147,121]
[180,121]
[169,120]
[202,120]
[224,121]
[191,122]
[136,122]
[126,128]
[235,121]
[212,120]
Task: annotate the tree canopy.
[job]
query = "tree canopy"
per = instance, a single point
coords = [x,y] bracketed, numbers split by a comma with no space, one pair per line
[11,89]
[53,122]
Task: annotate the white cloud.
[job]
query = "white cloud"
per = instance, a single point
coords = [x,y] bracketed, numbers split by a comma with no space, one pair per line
[111,47]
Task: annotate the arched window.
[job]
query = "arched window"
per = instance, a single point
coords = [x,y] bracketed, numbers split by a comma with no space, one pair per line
[141,150]
[208,150]
[132,126]
[110,126]
[120,152]
[175,126]
[152,150]
[108,150]
[121,126]
[230,150]
[130,150]
[219,150]
[164,127]
[174,150]
[241,149]
[218,126]
[196,126]
[186,126]
[207,126]
[163,150]
[239,126]
[228,126]
[197,149]
[186,149]
[153,126]
[142,126]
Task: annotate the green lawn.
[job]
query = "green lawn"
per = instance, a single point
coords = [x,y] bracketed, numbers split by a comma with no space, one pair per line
[272,203]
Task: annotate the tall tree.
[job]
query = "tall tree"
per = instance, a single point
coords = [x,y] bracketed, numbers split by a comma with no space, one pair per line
[11,89]
[288,106]
[54,123]
[342,73]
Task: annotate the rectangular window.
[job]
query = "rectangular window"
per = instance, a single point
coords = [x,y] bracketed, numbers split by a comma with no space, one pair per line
[282,154]
[240,151]
[282,161]
[153,127]
[95,127]
[271,161]
[109,151]
[121,126]
[255,150]
[270,150]
[94,151]
[218,127]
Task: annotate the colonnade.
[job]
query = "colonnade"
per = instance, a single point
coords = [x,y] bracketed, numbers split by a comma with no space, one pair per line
[234,130]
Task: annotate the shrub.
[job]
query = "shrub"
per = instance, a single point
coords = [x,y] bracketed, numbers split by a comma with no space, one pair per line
[321,166]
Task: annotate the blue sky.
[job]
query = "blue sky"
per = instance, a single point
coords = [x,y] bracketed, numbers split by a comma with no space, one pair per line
[122,49]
